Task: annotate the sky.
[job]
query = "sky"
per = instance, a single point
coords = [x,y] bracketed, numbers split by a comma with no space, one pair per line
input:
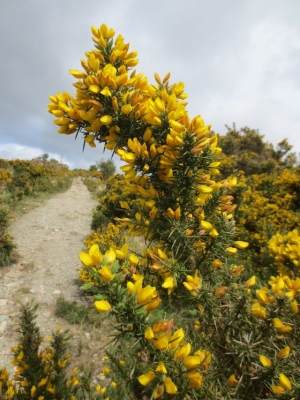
[239,61]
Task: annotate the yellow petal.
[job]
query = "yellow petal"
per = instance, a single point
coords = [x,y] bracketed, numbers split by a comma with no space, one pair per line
[195,379]
[170,386]
[284,352]
[161,368]
[102,306]
[232,381]
[265,361]
[77,74]
[285,382]
[146,378]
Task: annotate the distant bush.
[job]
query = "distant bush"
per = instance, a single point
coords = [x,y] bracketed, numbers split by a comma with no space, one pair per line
[19,178]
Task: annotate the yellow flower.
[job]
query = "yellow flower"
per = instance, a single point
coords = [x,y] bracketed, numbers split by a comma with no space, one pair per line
[258,310]
[193,283]
[162,342]
[146,294]
[214,233]
[92,258]
[183,351]
[42,382]
[231,250]
[102,306]
[169,284]
[106,274]
[197,324]
[124,204]
[106,92]
[251,281]
[126,109]
[232,381]
[280,326]
[241,245]
[170,386]
[220,291]
[195,379]
[265,361]
[77,74]
[217,263]
[277,389]
[237,269]
[134,259]
[149,334]
[121,254]
[283,353]
[153,304]
[158,392]
[285,382]
[161,368]
[207,226]
[192,362]
[146,378]
[32,391]
[176,338]
[294,306]
[106,119]
[10,392]
[205,357]
[204,189]
[110,256]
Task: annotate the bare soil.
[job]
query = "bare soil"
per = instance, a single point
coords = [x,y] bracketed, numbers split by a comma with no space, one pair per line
[49,239]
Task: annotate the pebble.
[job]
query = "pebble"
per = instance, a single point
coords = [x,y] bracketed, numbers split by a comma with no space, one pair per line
[3,325]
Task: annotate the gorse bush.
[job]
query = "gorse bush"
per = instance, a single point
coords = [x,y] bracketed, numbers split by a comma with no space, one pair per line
[40,368]
[188,325]
[29,178]
[238,341]
[267,205]
[245,150]
[267,194]
[114,200]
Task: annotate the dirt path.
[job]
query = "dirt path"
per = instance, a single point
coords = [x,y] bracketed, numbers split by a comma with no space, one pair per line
[49,239]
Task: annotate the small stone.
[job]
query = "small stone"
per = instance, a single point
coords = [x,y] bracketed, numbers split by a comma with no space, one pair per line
[56,292]
[87,335]
[3,325]
[3,318]
[32,291]
[3,302]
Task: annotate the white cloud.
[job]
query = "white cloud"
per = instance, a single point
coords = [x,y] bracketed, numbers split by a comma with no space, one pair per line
[11,151]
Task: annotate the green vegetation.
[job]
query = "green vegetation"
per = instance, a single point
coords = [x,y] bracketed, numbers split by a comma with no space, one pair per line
[77,314]
[21,180]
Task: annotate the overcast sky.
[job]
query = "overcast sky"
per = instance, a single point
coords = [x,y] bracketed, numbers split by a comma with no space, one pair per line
[239,60]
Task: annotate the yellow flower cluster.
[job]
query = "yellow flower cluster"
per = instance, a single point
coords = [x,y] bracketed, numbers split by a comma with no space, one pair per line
[267,204]
[186,217]
[286,251]
[163,339]
[5,177]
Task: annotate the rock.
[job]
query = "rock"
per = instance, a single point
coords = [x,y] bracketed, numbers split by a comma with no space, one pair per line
[3,325]
[56,292]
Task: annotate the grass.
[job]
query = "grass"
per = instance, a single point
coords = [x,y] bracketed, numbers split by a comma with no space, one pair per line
[77,314]
[94,185]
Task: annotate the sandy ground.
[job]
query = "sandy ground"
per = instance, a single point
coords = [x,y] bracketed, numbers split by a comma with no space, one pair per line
[49,239]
